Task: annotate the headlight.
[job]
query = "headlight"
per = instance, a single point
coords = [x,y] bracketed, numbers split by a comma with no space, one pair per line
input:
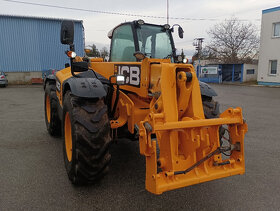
[120,79]
[71,54]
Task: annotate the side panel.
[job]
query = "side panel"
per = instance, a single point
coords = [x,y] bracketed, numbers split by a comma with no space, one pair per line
[61,76]
[107,69]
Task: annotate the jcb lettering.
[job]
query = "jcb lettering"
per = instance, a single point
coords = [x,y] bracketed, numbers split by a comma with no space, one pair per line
[132,74]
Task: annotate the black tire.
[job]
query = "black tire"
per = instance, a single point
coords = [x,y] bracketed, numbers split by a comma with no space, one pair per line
[212,110]
[53,122]
[90,130]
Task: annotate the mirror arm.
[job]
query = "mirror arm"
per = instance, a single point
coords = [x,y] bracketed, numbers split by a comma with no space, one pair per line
[172,29]
[72,48]
[180,30]
[72,72]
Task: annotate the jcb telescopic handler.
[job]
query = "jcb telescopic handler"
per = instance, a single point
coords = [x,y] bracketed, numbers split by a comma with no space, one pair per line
[145,92]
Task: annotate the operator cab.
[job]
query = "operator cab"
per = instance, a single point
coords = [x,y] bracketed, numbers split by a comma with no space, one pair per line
[153,41]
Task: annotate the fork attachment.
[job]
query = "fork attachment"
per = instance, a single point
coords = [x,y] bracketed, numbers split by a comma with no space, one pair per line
[188,144]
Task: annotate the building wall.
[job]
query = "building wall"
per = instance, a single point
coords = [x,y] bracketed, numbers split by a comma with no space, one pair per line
[269,48]
[230,72]
[201,62]
[246,74]
[31,44]
[22,77]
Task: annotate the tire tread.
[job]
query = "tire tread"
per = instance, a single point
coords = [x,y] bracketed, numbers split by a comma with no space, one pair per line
[92,157]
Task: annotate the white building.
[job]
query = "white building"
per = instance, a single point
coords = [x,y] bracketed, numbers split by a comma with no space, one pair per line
[269,59]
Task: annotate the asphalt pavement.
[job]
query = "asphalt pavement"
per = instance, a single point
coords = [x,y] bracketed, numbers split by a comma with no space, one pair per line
[32,174]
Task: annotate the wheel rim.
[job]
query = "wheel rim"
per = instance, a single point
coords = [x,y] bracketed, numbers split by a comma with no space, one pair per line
[68,137]
[48,108]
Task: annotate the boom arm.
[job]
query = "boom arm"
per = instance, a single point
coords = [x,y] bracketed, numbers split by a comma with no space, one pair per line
[189,144]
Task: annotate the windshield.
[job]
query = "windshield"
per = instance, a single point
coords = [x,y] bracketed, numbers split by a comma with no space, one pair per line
[154,42]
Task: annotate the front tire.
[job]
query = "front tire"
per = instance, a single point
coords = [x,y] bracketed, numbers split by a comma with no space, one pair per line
[212,110]
[86,139]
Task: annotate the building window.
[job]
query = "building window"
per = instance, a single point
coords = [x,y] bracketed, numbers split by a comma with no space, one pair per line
[272,67]
[250,71]
[276,29]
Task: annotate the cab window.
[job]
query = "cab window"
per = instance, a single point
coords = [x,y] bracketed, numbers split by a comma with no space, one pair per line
[123,45]
[154,42]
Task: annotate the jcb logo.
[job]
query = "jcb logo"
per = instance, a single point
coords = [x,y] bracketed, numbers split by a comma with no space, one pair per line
[131,72]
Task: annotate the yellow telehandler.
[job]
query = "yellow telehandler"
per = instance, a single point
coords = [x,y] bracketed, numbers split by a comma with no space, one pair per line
[145,92]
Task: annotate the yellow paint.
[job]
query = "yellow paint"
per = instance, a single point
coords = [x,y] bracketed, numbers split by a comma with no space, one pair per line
[48,108]
[171,108]
[68,136]
[62,76]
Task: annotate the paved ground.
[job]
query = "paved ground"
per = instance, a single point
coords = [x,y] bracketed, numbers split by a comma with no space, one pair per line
[32,175]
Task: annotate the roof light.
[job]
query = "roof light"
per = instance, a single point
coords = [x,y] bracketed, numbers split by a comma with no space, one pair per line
[166,26]
[140,22]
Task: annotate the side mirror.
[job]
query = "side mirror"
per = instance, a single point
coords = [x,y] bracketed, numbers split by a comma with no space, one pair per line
[67,32]
[180,32]
[117,79]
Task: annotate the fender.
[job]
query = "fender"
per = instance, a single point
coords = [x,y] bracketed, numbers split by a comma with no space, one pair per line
[85,87]
[49,78]
[207,90]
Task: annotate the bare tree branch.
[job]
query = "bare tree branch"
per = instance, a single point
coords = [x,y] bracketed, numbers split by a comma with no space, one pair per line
[233,41]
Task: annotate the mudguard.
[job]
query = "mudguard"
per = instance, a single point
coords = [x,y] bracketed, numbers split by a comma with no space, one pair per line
[207,90]
[49,78]
[86,87]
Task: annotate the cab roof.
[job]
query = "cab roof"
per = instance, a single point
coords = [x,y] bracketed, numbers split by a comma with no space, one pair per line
[110,33]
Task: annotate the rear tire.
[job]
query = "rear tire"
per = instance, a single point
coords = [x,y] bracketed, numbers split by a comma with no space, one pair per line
[52,120]
[86,139]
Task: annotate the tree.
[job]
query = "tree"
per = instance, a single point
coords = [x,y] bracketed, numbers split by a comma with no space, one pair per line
[93,52]
[104,53]
[233,41]
[207,54]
